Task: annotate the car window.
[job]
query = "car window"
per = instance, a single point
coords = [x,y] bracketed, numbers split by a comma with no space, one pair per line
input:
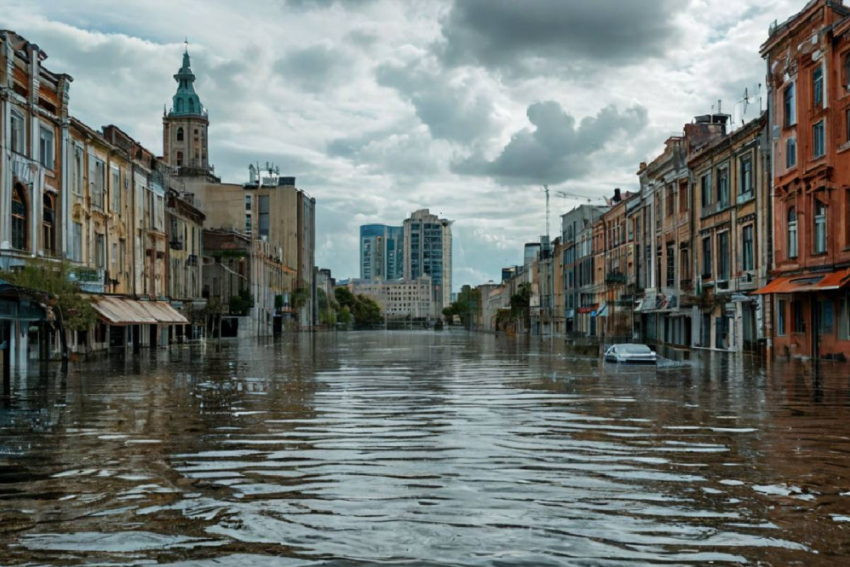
[636,349]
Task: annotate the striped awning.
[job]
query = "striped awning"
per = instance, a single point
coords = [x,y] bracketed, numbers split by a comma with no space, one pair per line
[116,310]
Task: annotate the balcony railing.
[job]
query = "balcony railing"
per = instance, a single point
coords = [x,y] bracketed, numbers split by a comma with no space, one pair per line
[615,278]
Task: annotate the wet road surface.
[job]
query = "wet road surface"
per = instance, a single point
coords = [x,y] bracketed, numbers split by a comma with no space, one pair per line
[424,449]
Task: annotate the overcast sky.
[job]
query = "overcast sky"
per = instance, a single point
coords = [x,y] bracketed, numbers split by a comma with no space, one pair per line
[382,107]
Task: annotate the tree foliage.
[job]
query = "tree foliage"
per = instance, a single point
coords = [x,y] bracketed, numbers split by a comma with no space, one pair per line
[55,282]
[241,304]
[466,306]
[366,311]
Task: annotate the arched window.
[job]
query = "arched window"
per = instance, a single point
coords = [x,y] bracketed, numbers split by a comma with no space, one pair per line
[191,105]
[179,159]
[179,105]
[792,232]
[196,133]
[19,217]
[48,222]
[180,134]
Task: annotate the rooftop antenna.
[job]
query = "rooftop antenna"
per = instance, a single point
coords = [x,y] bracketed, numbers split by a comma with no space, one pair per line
[546,190]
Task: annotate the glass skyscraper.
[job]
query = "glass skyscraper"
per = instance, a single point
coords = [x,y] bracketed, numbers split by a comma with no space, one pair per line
[381,252]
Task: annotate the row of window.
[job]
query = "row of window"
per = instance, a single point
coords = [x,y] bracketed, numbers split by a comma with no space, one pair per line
[720,192]
[724,254]
[46,140]
[819,225]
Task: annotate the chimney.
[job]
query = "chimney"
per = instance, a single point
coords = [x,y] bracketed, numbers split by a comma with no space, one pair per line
[617,197]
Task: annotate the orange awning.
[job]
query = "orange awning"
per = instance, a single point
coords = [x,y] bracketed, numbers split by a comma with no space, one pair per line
[807,283]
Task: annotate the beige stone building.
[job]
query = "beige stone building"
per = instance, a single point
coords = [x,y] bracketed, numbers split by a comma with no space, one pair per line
[398,298]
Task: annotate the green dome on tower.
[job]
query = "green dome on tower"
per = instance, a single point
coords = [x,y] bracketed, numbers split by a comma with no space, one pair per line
[185,101]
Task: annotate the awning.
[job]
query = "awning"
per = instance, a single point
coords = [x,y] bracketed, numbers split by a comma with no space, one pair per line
[807,283]
[123,311]
[164,313]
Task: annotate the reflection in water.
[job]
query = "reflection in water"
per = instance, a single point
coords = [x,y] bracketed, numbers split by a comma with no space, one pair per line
[449,449]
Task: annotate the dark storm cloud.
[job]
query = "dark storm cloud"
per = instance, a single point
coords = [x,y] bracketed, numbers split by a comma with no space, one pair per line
[451,111]
[558,149]
[312,68]
[507,34]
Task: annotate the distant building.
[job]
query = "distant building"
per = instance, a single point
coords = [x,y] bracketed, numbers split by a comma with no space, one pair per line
[399,298]
[381,252]
[428,252]
[532,250]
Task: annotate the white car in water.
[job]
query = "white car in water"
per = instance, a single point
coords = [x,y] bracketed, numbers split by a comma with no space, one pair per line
[631,354]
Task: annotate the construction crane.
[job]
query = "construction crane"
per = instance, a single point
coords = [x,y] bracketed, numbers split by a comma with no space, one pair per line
[563,195]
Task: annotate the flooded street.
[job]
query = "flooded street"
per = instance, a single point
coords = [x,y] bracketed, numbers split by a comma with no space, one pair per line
[424,449]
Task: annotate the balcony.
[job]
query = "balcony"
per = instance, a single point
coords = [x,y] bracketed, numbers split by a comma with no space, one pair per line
[686,285]
[615,278]
[90,281]
[192,260]
[176,245]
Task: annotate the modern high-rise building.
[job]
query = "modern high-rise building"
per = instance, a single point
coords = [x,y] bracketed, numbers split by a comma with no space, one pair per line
[381,252]
[428,252]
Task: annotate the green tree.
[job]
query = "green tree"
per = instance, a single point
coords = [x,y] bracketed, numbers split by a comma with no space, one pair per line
[466,306]
[367,312]
[344,297]
[521,305]
[345,315]
[54,285]
[242,303]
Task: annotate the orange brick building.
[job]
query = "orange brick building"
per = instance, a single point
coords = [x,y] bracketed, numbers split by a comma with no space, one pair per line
[808,63]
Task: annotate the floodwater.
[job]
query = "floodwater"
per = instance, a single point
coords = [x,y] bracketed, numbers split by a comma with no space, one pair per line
[424,449]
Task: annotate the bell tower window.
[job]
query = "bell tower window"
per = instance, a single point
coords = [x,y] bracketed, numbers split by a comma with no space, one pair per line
[180,134]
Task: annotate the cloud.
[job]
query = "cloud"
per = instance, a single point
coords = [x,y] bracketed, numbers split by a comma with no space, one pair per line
[377,105]
[558,149]
[314,68]
[453,107]
[511,35]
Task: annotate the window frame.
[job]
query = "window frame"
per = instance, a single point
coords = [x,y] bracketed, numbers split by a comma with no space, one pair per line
[748,260]
[18,139]
[789,105]
[819,228]
[706,189]
[20,233]
[781,322]
[795,253]
[48,223]
[790,156]
[724,272]
[46,155]
[819,142]
[707,259]
[723,189]
[818,86]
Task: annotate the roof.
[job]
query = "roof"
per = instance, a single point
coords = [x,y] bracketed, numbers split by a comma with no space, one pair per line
[807,283]
[123,311]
